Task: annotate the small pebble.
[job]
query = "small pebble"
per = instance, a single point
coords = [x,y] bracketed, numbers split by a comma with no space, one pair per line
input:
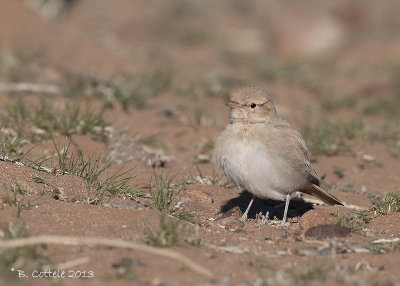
[327,231]
[202,159]
[368,158]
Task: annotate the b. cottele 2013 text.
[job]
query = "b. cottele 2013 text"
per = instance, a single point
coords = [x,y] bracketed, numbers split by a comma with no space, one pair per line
[55,274]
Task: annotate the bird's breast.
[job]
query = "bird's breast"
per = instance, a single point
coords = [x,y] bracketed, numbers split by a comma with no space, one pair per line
[247,161]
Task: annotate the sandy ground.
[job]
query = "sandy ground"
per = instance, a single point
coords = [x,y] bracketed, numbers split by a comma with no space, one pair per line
[328,64]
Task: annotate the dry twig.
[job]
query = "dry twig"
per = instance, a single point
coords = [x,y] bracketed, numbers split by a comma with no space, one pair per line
[385,240]
[73,263]
[30,87]
[39,168]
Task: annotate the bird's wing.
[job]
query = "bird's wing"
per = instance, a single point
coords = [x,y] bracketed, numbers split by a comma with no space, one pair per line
[295,150]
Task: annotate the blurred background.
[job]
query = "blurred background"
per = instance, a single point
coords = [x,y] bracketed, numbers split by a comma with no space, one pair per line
[224,42]
[323,49]
[336,63]
[332,67]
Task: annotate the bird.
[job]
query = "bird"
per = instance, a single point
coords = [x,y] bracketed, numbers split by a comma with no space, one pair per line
[263,153]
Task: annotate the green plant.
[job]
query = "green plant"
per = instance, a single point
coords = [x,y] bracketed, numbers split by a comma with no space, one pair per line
[380,205]
[26,257]
[41,120]
[384,248]
[214,87]
[198,116]
[125,269]
[333,185]
[322,141]
[15,197]
[185,215]
[13,61]
[69,121]
[93,172]
[385,204]
[332,103]
[129,91]
[298,72]
[355,221]
[328,139]
[9,146]
[384,106]
[164,195]
[257,262]
[297,274]
[308,274]
[339,172]
[168,233]
[152,141]
[17,114]
[14,230]
[143,87]
[347,188]
[328,186]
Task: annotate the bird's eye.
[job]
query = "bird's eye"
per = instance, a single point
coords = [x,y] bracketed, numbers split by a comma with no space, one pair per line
[253,105]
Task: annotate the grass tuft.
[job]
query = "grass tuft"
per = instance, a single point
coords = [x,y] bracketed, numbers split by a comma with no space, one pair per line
[165,198]
[9,146]
[26,258]
[169,232]
[153,141]
[15,197]
[358,221]
[214,87]
[329,139]
[93,172]
[164,195]
[128,91]
[186,216]
[355,221]
[293,71]
[390,202]
[384,248]
[40,120]
[333,103]
[386,107]
[297,274]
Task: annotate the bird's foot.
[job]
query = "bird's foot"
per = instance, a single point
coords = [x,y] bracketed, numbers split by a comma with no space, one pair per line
[286,210]
[243,218]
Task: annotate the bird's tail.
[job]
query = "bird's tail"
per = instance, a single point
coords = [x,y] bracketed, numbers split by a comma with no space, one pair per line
[316,191]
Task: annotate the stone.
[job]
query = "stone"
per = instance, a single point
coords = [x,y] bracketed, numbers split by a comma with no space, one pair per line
[233,212]
[231,223]
[314,218]
[327,231]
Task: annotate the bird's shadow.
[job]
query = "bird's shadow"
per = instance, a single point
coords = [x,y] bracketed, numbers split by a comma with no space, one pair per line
[275,208]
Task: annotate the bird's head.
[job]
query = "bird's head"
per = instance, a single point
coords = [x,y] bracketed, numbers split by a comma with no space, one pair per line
[251,105]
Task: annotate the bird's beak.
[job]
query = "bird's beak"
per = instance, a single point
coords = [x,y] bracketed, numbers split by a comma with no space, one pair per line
[233,105]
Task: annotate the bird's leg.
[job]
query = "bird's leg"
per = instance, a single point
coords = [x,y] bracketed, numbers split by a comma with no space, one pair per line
[244,216]
[286,209]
